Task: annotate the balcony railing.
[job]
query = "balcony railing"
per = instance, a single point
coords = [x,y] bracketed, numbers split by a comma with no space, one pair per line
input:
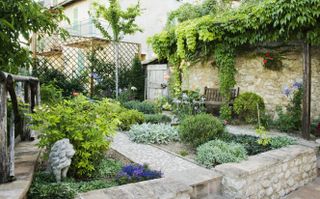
[85,28]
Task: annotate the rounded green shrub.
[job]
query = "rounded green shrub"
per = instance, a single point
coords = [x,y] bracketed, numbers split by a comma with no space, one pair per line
[217,152]
[245,105]
[200,129]
[129,118]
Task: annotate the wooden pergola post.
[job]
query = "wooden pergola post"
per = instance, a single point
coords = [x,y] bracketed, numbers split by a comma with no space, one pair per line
[4,157]
[306,121]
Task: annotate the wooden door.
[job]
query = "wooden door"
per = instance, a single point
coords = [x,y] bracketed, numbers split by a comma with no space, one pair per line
[157,81]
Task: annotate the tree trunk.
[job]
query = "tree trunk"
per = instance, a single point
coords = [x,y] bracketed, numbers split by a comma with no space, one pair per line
[117,68]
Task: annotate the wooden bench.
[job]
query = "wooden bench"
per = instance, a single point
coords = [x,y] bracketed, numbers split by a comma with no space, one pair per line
[214,97]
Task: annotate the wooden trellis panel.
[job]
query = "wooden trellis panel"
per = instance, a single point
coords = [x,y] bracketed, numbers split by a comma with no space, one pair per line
[72,57]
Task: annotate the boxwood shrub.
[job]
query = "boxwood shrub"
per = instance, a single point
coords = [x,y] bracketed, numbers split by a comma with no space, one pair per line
[200,129]
[217,152]
[129,118]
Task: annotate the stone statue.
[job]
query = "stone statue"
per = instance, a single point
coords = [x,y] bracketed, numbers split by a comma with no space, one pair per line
[60,158]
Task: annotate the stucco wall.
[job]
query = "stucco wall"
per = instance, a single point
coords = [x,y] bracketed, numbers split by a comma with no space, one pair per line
[252,76]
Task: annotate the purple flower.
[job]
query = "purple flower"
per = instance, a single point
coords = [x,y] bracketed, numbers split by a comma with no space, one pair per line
[286,91]
[297,85]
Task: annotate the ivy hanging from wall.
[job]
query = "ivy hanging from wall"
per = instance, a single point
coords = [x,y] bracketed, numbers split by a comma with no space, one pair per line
[225,60]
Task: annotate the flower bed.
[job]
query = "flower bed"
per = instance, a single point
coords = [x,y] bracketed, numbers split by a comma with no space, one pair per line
[108,173]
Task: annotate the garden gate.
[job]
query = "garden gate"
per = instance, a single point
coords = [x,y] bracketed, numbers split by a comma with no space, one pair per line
[157,81]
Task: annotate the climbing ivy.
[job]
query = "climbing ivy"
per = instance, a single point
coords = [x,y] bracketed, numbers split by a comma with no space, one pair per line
[253,23]
[225,60]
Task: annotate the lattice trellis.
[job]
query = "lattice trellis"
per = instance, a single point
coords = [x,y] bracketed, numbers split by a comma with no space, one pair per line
[87,63]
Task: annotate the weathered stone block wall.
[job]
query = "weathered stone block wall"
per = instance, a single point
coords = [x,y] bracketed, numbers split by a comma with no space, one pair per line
[252,76]
[271,174]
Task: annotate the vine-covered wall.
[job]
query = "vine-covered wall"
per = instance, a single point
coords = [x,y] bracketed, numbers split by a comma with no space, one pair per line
[252,76]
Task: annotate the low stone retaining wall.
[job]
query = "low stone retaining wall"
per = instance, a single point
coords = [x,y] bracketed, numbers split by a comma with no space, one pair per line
[161,188]
[271,174]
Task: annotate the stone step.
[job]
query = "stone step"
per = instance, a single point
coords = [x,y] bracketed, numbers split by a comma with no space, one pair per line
[214,196]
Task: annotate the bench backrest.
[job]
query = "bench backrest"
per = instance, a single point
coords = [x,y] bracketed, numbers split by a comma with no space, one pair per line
[214,94]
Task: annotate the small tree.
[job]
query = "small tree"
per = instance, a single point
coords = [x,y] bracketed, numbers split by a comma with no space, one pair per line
[137,77]
[122,22]
[22,18]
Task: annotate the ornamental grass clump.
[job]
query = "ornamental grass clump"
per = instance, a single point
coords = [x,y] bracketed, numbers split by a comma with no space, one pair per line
[217,152]
[199,129]
[135,173]
[153,133]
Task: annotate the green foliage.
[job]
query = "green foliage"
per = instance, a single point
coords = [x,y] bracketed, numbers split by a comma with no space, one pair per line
[85,123]
[50,94]
[191,11]
[60,81]
[245,105]
[51,191]
[183,153]
[291,119]
[281,141]
[107,168]
[188,103]
[250,143]
[45,187]
[20,18]
[217,152]
[145,107]
[136,78]
[153,133]
[200,128]
[129,118]
[225,112]
[263,138]
[122,22]
[156,118]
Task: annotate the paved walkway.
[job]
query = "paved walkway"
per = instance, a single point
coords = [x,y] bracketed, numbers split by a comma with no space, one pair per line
[26,156]
[310,191]
[156,158]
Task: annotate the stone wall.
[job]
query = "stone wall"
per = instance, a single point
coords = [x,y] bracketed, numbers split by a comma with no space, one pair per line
[271,174]
[252,76]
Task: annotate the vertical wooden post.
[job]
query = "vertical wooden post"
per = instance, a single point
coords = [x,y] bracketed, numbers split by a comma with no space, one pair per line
[4,158]
[306,91]
[38,98]
[12,144]
[27,99]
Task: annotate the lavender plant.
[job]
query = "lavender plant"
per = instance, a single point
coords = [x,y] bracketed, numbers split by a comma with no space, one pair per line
[135,173]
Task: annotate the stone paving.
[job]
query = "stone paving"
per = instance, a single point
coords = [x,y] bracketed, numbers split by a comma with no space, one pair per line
[310,191]
[154,157]
[26,156]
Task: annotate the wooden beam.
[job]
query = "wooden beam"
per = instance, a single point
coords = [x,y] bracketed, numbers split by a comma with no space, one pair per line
[306,121]
[4,157]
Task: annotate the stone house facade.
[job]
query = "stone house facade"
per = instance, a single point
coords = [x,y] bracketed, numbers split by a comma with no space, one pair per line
[252,76]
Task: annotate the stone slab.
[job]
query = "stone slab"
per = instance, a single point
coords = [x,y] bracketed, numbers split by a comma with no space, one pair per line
[165,188]
[26,157]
